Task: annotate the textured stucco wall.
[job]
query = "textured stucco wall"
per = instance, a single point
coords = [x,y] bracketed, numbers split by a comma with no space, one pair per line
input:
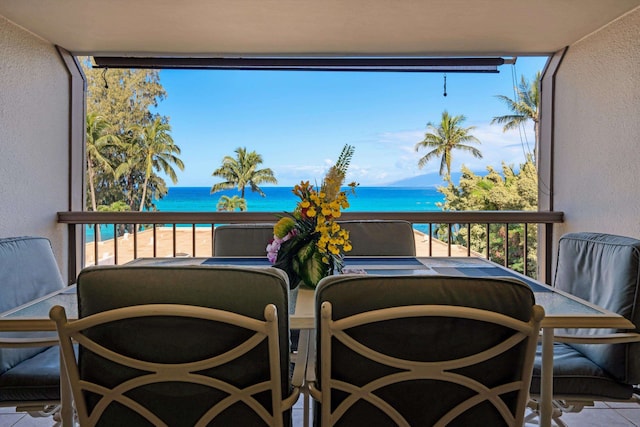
[597,132]
[34,138]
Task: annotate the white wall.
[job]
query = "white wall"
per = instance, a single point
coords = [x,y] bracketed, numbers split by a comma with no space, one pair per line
[597,132]
[34,138]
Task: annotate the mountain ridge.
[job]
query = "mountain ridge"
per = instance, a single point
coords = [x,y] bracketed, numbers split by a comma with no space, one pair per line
[425,180]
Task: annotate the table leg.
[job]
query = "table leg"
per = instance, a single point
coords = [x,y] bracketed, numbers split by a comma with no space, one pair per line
[546,378]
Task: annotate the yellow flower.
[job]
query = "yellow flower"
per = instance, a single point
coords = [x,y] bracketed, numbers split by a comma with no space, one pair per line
[314,219]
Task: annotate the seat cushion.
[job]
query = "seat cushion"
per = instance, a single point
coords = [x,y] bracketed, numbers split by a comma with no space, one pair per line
[35,379]
[244,291]
[380,238]
[28,270]
[575,375]
[242,239]
[605,270]
[419,339]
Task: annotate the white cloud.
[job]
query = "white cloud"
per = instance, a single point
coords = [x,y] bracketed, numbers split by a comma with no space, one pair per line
[390,156]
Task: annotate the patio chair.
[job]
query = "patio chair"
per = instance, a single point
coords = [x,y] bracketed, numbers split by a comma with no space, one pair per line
[242,239]
[29,372]
[180,346]
[380,238]
[423,351]
[595,364]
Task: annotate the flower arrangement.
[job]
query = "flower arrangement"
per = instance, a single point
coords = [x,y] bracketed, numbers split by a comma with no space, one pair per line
[309,244]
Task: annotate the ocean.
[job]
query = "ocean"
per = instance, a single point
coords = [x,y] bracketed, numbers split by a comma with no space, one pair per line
[366,199]
[280,199]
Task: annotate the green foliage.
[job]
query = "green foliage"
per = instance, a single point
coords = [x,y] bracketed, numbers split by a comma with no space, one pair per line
[445,138]
[509,190]
[126,143]
[115,207]
[524,107]
[242,171]
[230,204]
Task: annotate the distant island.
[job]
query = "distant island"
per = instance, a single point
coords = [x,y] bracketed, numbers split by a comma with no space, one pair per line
[424,180]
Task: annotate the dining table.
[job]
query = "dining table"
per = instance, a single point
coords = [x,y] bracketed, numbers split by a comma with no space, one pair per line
[562,310]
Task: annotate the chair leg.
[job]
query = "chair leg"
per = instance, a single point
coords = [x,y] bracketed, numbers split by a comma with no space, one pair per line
[306,408]
[39,411]
[534,416]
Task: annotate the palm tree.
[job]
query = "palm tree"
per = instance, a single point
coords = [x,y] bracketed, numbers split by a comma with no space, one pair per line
[98,139]
[230,204]
[242,171]
[525,107]
[449,135]
[156,150]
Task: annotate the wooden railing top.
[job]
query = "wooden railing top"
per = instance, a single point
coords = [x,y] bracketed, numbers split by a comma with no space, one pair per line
[447,217]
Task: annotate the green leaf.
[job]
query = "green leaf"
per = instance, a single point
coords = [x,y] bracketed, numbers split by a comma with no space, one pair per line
[311,269]
[306,252]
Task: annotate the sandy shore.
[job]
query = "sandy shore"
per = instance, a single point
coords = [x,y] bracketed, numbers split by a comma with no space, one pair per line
[184,245]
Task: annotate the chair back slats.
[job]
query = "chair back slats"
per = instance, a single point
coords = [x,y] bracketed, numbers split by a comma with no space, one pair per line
[604,269]
[435,353]
[170,347]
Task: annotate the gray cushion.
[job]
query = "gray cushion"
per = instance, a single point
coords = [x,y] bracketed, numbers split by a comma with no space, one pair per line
[28,270]
[35,379]
[605,270]
[575,375]
[406,338]
[380,238]
[242,239]
[245,291]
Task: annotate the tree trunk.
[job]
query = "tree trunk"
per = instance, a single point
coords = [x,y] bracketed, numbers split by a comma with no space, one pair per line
[92,193]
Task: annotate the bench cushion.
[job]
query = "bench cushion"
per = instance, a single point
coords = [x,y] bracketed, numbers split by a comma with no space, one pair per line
[574,375]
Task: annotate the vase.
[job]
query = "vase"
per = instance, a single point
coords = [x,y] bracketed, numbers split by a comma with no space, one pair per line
[293,296]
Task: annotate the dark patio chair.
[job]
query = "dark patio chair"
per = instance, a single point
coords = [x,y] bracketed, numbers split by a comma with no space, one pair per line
[595,364]
[180,346]
[380,238]
[29,372]
[242,239]
[423,351]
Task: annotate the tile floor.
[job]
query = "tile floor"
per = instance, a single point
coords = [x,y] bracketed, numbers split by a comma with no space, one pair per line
[602,415]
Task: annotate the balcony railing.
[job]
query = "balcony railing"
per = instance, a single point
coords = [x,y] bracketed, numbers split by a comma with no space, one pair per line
[192,234]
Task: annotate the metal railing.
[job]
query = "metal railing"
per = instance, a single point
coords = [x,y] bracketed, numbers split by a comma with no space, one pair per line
[459,231]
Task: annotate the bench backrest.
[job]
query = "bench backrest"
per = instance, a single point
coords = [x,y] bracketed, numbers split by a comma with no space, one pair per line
[28,270]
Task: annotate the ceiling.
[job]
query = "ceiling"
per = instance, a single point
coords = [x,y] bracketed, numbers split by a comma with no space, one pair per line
[201,28]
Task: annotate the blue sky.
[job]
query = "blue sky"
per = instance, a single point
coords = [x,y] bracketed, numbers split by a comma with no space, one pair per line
[299,121]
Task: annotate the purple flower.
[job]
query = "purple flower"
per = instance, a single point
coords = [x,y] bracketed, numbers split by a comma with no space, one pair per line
[274,246]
